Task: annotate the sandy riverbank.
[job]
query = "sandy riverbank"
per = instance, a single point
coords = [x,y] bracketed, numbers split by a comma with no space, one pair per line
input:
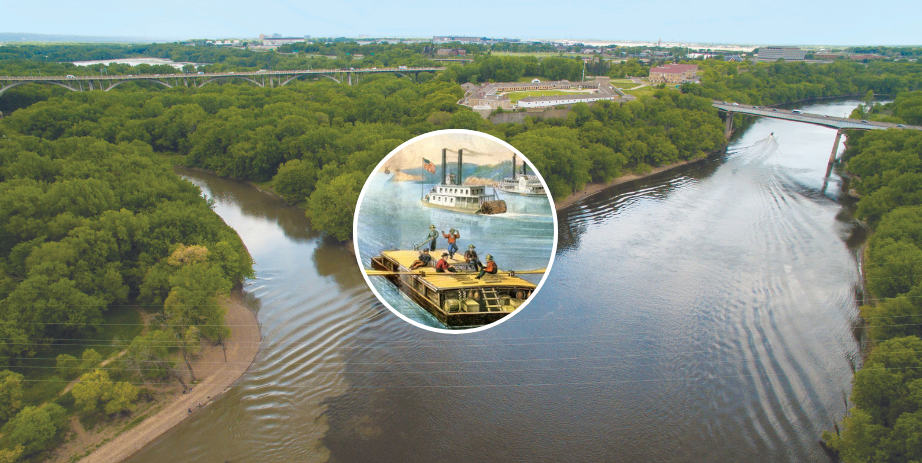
[593,188]
[242,347]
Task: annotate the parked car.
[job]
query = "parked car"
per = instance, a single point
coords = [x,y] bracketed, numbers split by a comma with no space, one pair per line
[901,126]
[797,111]
[862,120]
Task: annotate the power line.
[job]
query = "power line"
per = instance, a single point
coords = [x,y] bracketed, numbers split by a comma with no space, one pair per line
[471,386]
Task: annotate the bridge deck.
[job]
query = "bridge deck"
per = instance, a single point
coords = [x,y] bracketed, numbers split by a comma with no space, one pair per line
[817,119]
[215,74]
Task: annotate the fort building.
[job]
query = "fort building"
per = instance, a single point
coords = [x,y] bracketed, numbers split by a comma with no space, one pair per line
[673,73]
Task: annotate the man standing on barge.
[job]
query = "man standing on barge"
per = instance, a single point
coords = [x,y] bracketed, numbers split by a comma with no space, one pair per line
[452,237]
[433,235]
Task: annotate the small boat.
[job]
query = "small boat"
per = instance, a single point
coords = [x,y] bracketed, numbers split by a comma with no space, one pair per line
[457,300]
[453,195]
[522,184]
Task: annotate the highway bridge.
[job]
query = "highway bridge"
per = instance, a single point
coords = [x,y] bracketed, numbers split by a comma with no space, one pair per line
[838,123]
[78,83]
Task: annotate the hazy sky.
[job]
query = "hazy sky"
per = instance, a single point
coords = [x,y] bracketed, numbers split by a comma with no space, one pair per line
[819,22]
[478,149]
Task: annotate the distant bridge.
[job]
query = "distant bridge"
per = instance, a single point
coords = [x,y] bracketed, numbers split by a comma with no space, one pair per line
[105,83]
[838,123]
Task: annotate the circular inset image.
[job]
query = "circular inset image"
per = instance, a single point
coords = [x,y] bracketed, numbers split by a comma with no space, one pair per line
[455,231]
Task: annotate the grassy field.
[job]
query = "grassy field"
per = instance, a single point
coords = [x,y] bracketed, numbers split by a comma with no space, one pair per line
[648,90]
[623,83]
[516,96]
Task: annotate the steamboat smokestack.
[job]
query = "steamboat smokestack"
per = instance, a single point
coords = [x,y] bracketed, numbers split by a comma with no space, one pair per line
[443,164]
[460,166]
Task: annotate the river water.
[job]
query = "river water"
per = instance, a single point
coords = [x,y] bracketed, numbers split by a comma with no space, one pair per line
[707,315]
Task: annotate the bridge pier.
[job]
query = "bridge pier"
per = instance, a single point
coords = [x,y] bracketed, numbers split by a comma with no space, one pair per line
[832,157]
[729,129]
[835,147]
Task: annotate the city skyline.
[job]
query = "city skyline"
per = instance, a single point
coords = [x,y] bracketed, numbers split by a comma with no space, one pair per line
[718,21]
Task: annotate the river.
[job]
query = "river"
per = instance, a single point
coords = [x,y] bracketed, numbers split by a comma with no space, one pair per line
[706,315]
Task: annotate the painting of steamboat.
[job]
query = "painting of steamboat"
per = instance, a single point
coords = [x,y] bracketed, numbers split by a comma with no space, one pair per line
[457,300]
[523,184]
[452,194]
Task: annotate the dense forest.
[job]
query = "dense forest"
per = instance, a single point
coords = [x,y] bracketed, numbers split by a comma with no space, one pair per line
[90,230]
[779,82]
[885,423]
[322,138]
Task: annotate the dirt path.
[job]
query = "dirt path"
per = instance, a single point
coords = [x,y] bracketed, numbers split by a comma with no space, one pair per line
[594,188]
[145,319]
[243,345]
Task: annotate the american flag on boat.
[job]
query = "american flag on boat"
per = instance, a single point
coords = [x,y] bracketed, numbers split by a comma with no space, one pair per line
[429,166]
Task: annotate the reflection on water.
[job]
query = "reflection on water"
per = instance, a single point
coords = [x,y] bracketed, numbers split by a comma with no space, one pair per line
[705,316]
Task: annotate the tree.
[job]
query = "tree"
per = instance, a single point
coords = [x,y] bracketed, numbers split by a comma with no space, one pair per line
[90,390]
[10,394]
[34,427]
[96,388]
[332,205]
[295,180]
[149,355]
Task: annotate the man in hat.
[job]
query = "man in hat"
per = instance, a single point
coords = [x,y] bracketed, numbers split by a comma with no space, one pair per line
[470,256]
[433,235]
[490,267]
[452,237]
[442,265]
[424,259]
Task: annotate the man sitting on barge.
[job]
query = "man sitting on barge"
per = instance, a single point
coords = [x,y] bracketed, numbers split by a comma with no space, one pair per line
[442,265]
[424,260]
[470,256]
[490,267]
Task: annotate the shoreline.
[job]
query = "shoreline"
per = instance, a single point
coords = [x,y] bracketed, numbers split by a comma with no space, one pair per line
[594,188]
[242,347]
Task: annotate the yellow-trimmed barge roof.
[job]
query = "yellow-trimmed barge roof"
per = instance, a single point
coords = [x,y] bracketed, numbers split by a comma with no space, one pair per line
[446,281]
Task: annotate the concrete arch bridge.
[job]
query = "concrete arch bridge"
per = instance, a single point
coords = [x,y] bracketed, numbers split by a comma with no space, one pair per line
[271,79]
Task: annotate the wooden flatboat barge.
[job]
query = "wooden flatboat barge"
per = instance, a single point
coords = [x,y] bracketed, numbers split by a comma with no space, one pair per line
[458,300]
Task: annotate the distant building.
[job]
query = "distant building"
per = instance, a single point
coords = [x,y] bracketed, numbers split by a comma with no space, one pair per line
[557,100]
[673,73]
[786,53]
[455,38]
[451,52]
[276,41]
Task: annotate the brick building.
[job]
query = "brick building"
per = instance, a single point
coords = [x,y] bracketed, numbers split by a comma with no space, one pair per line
[673,73]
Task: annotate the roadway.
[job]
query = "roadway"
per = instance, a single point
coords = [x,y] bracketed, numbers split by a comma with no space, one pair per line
[838,123]
[209,75]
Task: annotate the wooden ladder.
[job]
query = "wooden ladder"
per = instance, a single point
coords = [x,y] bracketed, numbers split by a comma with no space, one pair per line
[491,300]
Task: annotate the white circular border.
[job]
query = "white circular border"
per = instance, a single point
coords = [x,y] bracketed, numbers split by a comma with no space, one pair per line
[355,229]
